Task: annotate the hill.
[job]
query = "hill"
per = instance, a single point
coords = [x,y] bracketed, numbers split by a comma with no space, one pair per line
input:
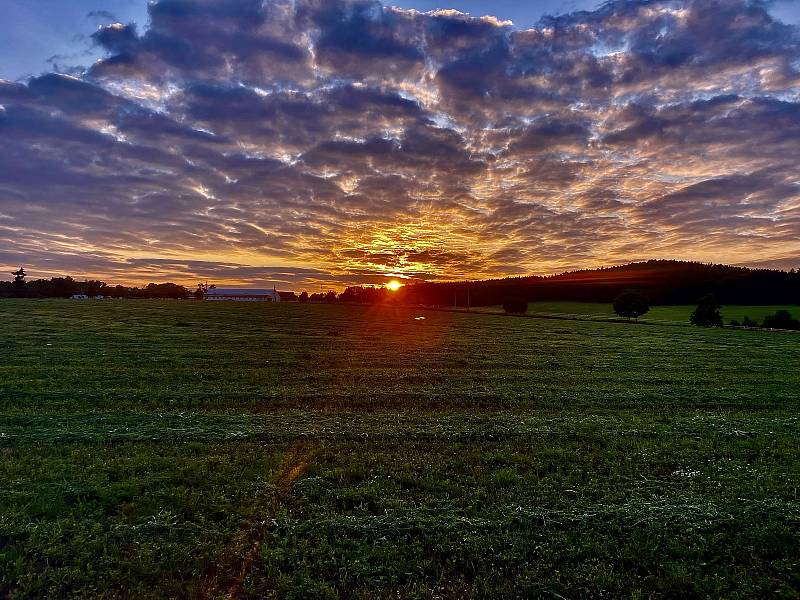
[664,281]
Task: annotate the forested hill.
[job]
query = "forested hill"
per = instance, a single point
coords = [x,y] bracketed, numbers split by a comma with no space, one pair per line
[664,282]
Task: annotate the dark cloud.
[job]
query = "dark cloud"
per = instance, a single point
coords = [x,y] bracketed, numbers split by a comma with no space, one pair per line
[117,38]
[101,14]
[548,135]
[357,139]
[361,38]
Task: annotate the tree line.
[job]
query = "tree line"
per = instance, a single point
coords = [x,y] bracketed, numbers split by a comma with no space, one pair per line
[65,287]
[664,282]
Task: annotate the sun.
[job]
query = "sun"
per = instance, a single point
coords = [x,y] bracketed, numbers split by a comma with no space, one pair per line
[393,285]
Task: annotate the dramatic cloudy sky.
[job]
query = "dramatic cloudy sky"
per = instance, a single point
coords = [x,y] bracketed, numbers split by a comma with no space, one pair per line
[324,142]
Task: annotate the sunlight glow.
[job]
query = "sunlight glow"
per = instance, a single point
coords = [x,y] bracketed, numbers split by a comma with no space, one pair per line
[393,285]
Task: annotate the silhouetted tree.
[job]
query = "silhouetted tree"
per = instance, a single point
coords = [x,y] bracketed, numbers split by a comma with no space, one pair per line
[364,295]
[202,290]
[330,297]
[304,297]
[782,319]
[92,288]
[119,291]
[515,305]
[631,305]
[63,287]
[19,282]
[707,313]
[748,322]
[165,290]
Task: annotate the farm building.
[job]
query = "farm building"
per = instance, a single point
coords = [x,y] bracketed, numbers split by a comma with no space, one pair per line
[79,297]
[242,295]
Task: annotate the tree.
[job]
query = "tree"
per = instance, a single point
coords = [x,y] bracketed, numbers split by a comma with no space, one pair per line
[165,290]
[330,297]
[19,282]
[515,305]
[748,322]
[119,291]
[707,313]
[92,288]
[631,305]
[63,287]
[304,297]
[202,290]
[782,319]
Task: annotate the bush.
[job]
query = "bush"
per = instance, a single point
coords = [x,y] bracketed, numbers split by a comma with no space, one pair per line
[782,319]
[707,313]
[515,305]
[631,305]
[748,322]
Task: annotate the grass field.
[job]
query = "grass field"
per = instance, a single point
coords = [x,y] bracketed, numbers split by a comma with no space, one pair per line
[663,315]
[159,449]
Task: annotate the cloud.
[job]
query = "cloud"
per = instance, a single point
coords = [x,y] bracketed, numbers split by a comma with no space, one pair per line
[343,139]
[103,15]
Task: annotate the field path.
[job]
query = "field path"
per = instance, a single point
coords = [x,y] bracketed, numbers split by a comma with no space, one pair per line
[224,579]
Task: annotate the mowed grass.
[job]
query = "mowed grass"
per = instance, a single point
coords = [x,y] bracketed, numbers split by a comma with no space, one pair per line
[666,315]
[182,449]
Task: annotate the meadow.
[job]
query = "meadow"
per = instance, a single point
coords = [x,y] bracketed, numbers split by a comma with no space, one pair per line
[187,449]
[661,315]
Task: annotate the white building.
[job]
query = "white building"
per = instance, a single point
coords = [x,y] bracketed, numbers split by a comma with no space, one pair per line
[242,295]
[79,297]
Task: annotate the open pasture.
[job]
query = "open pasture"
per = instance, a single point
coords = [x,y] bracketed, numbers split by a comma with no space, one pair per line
[187,449]
[660,315]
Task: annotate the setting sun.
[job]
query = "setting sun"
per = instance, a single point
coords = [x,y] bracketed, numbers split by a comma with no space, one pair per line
[394,285]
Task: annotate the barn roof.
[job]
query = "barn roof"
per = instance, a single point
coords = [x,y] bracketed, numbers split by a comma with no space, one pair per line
[239,292]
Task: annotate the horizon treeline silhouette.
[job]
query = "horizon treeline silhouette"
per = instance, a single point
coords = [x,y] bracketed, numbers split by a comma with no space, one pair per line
[660,281]
[65,287]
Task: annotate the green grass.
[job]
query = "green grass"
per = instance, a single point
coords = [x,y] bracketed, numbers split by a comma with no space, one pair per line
[671,315]
[181,449]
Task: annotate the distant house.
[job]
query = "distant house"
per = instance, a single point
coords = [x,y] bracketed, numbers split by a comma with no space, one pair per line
[79,297]
[288,297]
[242,295]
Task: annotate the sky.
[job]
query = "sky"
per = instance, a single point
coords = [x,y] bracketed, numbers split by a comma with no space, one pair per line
[45,35]
[322,143]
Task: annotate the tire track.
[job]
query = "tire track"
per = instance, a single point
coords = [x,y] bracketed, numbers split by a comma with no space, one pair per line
[225,578]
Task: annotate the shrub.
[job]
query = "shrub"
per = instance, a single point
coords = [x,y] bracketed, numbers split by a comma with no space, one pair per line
[515,305]
[782,319]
